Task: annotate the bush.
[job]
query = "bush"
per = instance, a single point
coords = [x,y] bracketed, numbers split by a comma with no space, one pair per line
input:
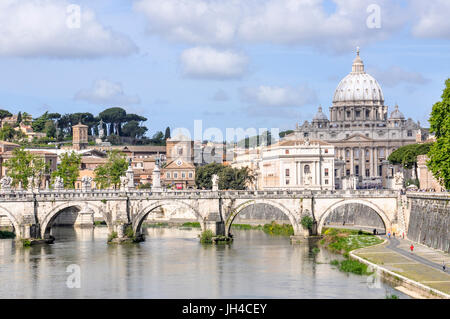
[206,237]
[307,222]
[129,231]
[112,236]
[26,242]
[277,229]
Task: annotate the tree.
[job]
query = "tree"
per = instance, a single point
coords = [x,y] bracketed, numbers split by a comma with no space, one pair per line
[7,133]
[284,133]
[19,118]
[439,154]
[158,138]
[229,178]
[114,116]
[407,155]
[133,129]
[203,175]
[4,113]
[109,174]
[24,164]
[167,133]
[69,169]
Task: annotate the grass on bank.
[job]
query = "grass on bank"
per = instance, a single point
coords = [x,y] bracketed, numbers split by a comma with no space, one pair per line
[343,241]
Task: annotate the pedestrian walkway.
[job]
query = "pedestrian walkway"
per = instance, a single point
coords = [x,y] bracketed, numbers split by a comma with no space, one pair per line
[423,265]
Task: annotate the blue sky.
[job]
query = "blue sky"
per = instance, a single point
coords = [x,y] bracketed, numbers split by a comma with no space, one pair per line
[230,63]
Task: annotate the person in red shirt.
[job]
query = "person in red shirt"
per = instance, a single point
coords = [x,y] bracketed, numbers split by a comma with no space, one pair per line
[412,248]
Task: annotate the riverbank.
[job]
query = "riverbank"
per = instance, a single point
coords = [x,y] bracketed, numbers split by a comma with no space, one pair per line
[407,271]
[343,241]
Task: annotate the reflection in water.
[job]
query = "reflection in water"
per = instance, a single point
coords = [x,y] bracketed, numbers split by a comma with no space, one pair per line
[171,263]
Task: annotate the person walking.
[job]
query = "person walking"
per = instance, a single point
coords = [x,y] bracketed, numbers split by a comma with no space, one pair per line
[443,265]
[393,234]
[389,234]
[412,248]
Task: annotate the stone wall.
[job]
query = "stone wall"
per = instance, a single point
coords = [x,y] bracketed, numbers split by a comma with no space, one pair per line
[429,221]
[355,214]
[260,214]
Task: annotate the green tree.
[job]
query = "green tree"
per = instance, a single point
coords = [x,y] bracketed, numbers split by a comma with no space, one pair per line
[4,113]
[284,133]
[19,118]
[229,178]
[114,116]
[167,133]
[24,164]
[7,133]
[68,169]
[133,129]
[407,155]
[109,174]
[439,154]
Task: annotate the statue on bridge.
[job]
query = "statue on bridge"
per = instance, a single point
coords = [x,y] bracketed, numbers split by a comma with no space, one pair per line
[6,183]
[86,183]
[58,184]
[30,181]
[398,181]
[215,183]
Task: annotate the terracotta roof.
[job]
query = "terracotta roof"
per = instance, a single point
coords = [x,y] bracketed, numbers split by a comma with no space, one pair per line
[144,148]
[88,160]
[173,165]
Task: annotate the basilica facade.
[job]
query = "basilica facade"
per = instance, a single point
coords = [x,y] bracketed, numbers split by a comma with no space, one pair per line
[361,129]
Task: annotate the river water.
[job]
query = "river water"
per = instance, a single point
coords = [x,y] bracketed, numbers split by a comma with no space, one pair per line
[171,263]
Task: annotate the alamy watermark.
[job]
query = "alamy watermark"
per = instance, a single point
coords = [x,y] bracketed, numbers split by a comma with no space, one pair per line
[74,279]
[73,19]
[373,21]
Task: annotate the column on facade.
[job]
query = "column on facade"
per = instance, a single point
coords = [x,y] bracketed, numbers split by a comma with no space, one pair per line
[362,167]
[352,164]
[376,161]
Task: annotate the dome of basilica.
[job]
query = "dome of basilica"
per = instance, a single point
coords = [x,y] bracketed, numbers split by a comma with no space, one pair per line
[320,116]
[396,114]
[358,86]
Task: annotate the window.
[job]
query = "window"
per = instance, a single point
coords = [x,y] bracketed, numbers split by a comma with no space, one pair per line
[358,113]
[305,134]
[357,170]
[347,153]
[356,152]
[348,114]
[367,172]
[347,172]
[180,151]
[175,175]
[287,172]
[367,113]
[380,170]
[287,182]
[367,153]
[381,152]
[167,175]
[326,182]
[306,169]
[286,152]
[335,172]
[183,175]
[326,171]
[190,175]
[409,133]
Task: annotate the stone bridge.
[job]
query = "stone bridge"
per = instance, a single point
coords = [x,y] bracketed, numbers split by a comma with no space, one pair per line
[33,213]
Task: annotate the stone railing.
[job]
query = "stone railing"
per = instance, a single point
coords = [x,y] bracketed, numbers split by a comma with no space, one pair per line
[94,194]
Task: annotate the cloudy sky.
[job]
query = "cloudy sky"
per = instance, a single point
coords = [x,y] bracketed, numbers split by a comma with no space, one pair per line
[230,63]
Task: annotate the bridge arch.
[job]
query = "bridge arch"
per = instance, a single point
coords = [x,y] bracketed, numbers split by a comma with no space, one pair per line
[236,210]
[143,213]
[13,220]
[384,217]
[47,221]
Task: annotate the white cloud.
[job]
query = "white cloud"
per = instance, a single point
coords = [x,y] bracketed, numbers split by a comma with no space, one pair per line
[107,93]
[433,19]
[32,28]
[272,96]
[396,75]
[270,21]
[208,63]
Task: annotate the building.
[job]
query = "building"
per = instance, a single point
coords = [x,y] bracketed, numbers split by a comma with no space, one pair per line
[80,136]
[180,147]
[178,174]
[361,129]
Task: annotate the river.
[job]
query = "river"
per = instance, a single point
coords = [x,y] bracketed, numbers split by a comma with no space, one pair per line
[171,263]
